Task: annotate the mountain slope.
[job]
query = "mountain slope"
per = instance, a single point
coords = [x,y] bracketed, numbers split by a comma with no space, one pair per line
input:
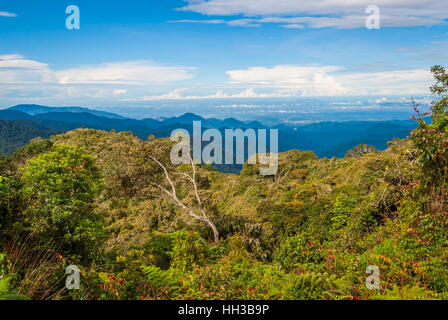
[14,134]
[14,115]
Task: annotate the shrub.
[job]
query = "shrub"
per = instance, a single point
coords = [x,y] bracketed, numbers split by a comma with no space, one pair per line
[60,188]
[313,286]
[299,251]
[431,140]
[189,251]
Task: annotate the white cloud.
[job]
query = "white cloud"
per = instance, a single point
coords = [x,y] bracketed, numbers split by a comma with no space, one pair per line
[132,72]
[332,80]
[321,13]
[278,74]
[7,14]
[15,68]
[17,61]
[315,7]
[26,80]
[407,82]
[345,22]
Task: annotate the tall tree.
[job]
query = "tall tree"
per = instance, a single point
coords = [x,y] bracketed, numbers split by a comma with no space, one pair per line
[165,182]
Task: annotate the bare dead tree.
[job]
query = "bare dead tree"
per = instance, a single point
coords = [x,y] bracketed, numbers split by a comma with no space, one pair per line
[173,196]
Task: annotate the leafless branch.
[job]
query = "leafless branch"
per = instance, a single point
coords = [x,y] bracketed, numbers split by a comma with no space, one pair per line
[173,196]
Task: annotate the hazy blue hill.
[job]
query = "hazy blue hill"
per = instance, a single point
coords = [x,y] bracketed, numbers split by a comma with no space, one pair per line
[87,120]
[188,118]
[34,109]
[334,139]
[152,123]
[84,117]
[255,125]
[14,115]
[233,123]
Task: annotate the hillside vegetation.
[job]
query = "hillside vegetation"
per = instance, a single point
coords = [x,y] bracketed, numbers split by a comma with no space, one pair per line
[15,134]
[99,200]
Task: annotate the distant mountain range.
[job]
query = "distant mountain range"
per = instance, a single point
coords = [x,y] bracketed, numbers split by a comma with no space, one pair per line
[34,109]
[327,139]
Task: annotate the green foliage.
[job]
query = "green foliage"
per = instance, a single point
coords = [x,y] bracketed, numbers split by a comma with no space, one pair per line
[4,190]
[341,211]
[36,147]
[13,296]
[5,279]
[160,248]
[431,140]
[406,292]
[60,188]
[162,283]
[299,251]
[439,108]
[189,251]
[9,201]
[316,286]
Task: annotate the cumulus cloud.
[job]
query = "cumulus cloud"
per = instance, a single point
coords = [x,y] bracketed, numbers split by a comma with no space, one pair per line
[321,13]
[7,14]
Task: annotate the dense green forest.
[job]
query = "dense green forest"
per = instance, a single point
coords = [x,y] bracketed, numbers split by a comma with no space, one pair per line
[14,134]
[139,228]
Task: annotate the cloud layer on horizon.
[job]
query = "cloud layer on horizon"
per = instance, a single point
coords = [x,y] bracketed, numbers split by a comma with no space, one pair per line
[285,81]
[31,80]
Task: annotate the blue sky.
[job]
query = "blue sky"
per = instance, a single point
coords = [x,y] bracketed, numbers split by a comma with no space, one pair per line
[139,51]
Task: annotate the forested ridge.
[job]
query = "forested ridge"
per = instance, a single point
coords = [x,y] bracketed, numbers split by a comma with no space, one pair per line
[140,228]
